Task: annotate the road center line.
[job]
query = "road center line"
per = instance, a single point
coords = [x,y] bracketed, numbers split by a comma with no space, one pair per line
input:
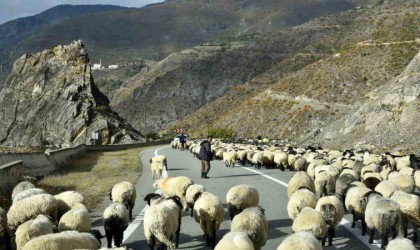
[345,223]
[140,217]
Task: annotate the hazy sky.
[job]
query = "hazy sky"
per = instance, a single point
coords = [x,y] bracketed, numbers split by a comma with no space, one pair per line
[12,9]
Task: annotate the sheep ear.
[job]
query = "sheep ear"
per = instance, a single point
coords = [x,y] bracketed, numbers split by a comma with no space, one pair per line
[150,160]
[196,196]
[177,200]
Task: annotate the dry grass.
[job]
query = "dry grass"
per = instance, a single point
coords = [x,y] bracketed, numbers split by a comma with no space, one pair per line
[95,173]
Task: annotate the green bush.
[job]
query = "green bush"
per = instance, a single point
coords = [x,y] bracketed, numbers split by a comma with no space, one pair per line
[221,132]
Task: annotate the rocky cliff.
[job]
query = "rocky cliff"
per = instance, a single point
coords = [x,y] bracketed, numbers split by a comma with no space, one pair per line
[50,100]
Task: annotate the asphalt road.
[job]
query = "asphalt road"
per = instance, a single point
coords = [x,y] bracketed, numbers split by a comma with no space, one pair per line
[270,183]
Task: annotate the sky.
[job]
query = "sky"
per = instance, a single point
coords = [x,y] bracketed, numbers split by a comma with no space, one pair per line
[12,9]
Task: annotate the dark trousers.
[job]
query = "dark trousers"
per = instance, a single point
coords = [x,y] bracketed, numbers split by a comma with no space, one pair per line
[205,166]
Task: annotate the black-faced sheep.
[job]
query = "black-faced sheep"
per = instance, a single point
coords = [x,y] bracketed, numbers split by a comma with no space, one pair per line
[67,240]
[162,221]
[192,194]
[41,225]
[116,220]
[209,212]
[332,210]
[240,197]
[252,221]
[124,193]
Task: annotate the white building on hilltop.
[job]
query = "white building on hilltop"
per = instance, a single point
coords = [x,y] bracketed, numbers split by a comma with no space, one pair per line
[97,66]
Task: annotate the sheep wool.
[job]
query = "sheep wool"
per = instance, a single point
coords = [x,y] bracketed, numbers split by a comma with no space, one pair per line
[298,181]
[300,199]
[192,194]
[252,221]
[401,244]
[21,186]
[410,210]
[386,188]
[41,225]
[417,179]
[209,212]
[66,200]
[67,240]
[116,220]
[76,219]
[312,221]
[300,241]
[27,193]
[31,207]
[124,193]
[324,183]
[404,182]
[174,186]
[235,241]
[240,197]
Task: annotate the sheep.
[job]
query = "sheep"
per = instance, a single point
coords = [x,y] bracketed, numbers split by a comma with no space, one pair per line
[280,160]
[410,210]
[209,212]
[235,241]
[369,169]
[382,215]
[192,194]
[153,198]
[300,199]
[31,207]
[41,225]
[67,240]
[300,241]
[241,156]
[218,154]
[310,220]
[240,197]
[4,229]
[401,244]
[229,158]
[332,210]
[371,180]
[162,221]
[315,163]
[300,164]
[257,159]
[298,181]
[171,186]
[407,171]
[161,159]
[27,193]
[403,162]
[342,184]
[66,200]
[76,219]
[124,193]
[116,220]
[268,159]
[386,188]
[351,172]
[355,206]
[252,221]
[291,160]
[417,179]
[324,183]
[404,182]
[157,164]
[21,186]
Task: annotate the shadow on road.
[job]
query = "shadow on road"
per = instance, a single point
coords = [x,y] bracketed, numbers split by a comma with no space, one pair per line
[236,175]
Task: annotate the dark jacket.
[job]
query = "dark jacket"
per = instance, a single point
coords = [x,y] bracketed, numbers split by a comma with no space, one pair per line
[205,151]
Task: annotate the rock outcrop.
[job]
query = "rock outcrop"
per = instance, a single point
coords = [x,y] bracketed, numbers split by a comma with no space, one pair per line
[50,100]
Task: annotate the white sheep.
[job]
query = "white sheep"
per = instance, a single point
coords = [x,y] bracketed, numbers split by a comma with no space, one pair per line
[300,241]
[229,158]
[171,186]
[4,229]
[332,210]
[386,188]
[241,156]
[324,183]
[30,208]
[280,160]
[41,225]
[257,159]
[300,199]
[342,184]
[21,186]
[76,219]
[67,199]
[417,179]
[116,220]
[355,205]
[351,172]
[162,221]
[401,244]
[268,159]
[209,213]
[371,180]
[235,241]
[162,159]
[404,182]
[300,164]
[310,220]
[27,193]
[124,193]
[298,181]
[240,197]
[67,240]
[315,163]
[403,162]
[156,166]
[252,221]
[410,210]
[407,171]
[382,215]
[192,194]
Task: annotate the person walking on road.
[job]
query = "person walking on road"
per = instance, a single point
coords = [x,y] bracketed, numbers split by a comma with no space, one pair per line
[205,155]
[182,140]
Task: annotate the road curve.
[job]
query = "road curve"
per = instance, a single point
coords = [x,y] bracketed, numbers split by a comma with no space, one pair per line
[270,183]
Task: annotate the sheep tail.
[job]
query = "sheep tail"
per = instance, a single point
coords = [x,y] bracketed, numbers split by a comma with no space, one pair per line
[390,221]
[164,239]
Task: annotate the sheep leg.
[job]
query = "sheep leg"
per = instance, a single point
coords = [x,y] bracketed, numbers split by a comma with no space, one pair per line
[384,239]
[108,235]
[150,243]
[353,225]
[7,240]
[415,230]
[118,238]
[178,230]
[207,239]
[363,226]
[330,235]
[324,239]
[213,232]
[372,233]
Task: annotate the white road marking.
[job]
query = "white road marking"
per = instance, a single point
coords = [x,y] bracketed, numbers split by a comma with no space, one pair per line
[345,223]
[140,217]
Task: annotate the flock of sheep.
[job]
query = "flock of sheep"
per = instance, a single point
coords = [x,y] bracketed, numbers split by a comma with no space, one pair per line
[37,220]
[381,190]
